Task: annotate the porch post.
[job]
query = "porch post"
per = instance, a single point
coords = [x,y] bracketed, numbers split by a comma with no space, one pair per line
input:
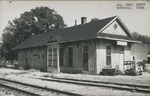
[58,67]
[47,57]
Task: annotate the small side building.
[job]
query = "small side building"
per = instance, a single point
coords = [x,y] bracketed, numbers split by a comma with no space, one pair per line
[140,51]
[88,47]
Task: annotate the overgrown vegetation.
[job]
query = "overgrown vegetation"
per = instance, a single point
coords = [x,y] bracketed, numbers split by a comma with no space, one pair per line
[144,38]
[33,22]
[94,19]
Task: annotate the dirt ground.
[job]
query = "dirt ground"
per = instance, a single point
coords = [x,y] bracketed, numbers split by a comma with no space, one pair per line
[25,76]
[140,79]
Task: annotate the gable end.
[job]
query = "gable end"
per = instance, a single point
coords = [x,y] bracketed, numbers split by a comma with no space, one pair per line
[116,27]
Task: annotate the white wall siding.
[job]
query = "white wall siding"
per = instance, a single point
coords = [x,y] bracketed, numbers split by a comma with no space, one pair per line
[117,55]
[127,54]
[100,55]
[115,29]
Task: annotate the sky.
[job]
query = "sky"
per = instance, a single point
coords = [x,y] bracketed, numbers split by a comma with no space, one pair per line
[131,13]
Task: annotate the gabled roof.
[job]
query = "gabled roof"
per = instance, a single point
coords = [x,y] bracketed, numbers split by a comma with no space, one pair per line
[75,33]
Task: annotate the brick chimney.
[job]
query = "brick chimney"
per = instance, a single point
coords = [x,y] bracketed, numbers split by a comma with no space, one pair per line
[75,22]
[83,20]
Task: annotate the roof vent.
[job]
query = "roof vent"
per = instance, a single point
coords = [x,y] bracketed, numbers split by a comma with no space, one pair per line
[83,20]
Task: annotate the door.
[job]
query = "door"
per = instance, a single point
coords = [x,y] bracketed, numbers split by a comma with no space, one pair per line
[27,66]
[70,57]
[52,59]
[86,58]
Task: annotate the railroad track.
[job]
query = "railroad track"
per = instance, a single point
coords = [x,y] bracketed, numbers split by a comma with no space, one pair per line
[118,86]
[34,90]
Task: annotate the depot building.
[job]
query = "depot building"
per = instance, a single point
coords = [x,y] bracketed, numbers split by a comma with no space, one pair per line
[88,47]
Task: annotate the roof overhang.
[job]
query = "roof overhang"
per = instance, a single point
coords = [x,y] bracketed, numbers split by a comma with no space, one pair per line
[118,39]
[33,46]
[148,55]
[80,39]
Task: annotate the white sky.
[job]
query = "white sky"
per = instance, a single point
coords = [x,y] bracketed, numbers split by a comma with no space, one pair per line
[136,20]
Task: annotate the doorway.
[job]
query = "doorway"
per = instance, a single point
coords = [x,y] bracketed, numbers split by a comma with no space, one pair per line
[52,59]
[27,66]
[70,57]
[86,58]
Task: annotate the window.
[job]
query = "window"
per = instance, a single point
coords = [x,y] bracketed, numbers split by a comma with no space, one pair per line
[50,58]
[43,56]
[122,50]
[61,56]
[133,58]
[70,56]
[55,57]
[108,55]
[86,48]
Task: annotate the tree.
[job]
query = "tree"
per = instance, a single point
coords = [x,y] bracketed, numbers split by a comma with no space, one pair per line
[1,54]
[35,21]
[95,19]
[143,38]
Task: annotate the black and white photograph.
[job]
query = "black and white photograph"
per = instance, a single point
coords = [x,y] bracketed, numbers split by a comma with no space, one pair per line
[75,48]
